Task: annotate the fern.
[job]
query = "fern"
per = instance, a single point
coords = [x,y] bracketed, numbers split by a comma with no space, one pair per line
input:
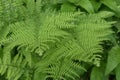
[58,63]
[44,40]
[90,33]
[10,12]
[30,34]
[73,50]
[14,68]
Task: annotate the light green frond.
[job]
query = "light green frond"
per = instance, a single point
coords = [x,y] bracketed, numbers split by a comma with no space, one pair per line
[86,46]
[40,42]
[36,34]
[90,33]
[10,11]
[63,69]
[13,69]
[60,63]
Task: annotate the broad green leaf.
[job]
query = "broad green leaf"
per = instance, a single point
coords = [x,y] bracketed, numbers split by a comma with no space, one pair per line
[98,73]
[118,72]
[112,5]
[39,76]
[67,7]
[86,4]
[118,2]
[74,1]
[96,5]
[105,14]
[113,59]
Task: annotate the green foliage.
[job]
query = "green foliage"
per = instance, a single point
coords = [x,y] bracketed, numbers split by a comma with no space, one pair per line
[98,73]
[113,58]
[117,72]
[59,39]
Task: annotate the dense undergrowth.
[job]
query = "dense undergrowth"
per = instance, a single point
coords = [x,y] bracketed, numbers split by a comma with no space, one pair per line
[59,40]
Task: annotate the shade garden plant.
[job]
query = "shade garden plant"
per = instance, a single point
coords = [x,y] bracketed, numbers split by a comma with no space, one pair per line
[59,39]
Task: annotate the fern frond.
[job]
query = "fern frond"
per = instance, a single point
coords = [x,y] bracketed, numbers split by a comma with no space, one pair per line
[90,33]
[36,34]
[13,69]
[49,44]
[59,62]
[64,69]
[10,11]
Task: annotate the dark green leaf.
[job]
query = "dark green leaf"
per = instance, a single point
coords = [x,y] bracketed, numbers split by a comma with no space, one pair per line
[96,4]
[98,73]
[113,59]
[118,72]
[112,5]
[67,7]
[86,4]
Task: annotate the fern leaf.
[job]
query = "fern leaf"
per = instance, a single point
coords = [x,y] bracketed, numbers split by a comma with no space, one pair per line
[12,68]
[61,64]
[90,33]
[31,34]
